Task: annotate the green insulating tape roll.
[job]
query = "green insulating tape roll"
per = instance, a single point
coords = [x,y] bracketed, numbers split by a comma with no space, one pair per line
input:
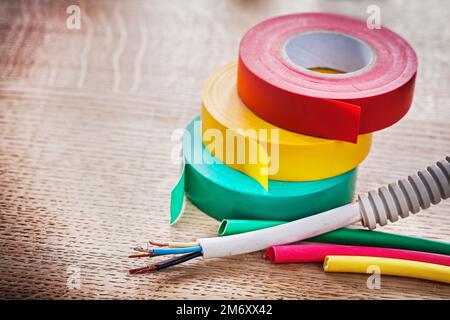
[345,236]
[224,193]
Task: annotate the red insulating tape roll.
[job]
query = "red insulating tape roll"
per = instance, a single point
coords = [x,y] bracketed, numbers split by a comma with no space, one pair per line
[276,83]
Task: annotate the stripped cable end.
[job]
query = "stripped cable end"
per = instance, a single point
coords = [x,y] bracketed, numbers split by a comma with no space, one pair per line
[140,255]
[167,263]
[140,249]
[158,244]
[149,268]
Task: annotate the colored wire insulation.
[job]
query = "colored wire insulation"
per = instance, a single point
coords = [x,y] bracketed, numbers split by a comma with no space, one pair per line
[164,251]
[393,267]
[318,253]
[347,236]
[171,244]
[166,263]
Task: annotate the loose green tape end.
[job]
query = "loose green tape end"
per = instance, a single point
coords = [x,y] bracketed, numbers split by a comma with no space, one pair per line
[348,236]
[177,199]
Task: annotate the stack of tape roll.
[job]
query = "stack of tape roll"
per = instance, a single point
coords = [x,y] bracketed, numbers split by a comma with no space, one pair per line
[283,130]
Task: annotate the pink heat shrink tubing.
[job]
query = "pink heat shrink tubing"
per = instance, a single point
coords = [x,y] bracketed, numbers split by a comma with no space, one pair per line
[317,253]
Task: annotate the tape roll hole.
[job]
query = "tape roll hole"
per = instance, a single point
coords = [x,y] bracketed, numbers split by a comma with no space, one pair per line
[330,54]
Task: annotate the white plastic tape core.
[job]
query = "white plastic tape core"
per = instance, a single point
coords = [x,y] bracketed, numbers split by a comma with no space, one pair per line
[328,49]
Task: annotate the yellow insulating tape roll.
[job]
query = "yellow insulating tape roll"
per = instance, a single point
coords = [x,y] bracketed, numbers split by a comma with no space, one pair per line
[295,157]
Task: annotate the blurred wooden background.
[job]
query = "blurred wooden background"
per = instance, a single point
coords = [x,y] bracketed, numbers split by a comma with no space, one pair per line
[85,123]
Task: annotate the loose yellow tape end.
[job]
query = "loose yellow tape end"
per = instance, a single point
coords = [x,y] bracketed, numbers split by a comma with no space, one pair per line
[236,149]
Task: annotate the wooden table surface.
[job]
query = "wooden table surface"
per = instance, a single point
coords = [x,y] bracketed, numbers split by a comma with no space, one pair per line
[86,118]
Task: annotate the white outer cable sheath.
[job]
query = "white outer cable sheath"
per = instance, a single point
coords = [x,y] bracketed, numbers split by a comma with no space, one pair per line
[286,233]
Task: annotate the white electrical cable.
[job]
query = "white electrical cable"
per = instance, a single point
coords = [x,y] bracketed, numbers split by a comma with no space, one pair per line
[286,233]
[377,207]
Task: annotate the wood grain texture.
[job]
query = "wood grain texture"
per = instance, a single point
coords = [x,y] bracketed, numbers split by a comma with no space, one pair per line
[86,118]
